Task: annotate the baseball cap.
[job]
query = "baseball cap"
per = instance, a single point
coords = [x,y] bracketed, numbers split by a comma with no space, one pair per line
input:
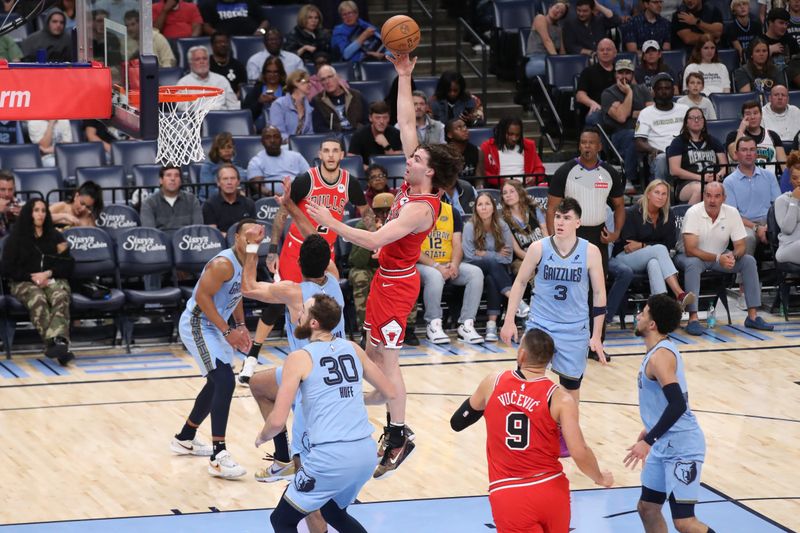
[383,200]
[624,64]
[661,76]
[650,44]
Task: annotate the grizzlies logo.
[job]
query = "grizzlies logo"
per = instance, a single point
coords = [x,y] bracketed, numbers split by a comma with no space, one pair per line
[303,482]
[306,442]
[686,472]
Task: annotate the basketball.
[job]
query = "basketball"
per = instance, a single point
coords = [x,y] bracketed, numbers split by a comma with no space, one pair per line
[400,34]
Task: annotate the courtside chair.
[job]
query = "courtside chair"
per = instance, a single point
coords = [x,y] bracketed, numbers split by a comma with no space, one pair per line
[71,156]
[238,122]
[192,247]
[729,105]
[41,180]
[116,218]
[130,153]
[185,44]
[784,271]
[372,91]
[267,209]
[395,165]
[246,46]
[11,312]
[14,156]
[111,179]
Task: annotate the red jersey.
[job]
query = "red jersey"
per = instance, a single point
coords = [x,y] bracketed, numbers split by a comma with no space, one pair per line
[398,259]
[521,436]
[334,196]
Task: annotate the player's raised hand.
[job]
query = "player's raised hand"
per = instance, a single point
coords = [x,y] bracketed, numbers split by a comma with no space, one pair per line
[286,196]
[508,332]
[319,213]
[254,234]
[403,63]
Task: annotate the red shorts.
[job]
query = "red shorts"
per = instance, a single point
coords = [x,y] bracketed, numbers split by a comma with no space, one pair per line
[537,508]
[289,260]
[389,303]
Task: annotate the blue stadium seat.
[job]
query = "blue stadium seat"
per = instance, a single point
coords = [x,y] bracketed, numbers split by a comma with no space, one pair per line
[146,175]
[344,69]
[382,71]
[246,46]
[247,147]
[729,105]
[562,70]
[130,153]
[183,49]
[111,179]
[719,129]
[239,122]
[115,218]
[70,156]
[478,135]
[193,246]
[354,165]
[76,127]
[169,75]
[194,172]
[13,156]
[729,57]
[514,14]
[675,60]
[794,98]
[283,17]
[426,84]
[43,180]
[395,165]
[307,145]
[494,193]
[372,91]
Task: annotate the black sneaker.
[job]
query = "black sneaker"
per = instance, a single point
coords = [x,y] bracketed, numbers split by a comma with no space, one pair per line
[65,359]
[56,348]
[393,458]
[411,338]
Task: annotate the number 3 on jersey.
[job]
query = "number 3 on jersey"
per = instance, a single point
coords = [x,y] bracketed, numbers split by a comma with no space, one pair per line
[518,431]
[561,292]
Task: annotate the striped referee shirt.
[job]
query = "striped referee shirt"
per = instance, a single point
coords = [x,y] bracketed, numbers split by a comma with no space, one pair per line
[591,187]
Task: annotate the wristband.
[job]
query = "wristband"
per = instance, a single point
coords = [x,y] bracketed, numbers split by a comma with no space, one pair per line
[251,249]
[599,310]
[240,324]
[226,332]
[273,249]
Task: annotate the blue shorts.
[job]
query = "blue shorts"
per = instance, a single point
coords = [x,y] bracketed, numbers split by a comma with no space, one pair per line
[205,342]
[674,464]
[335,471]
[571,341]
[300,444]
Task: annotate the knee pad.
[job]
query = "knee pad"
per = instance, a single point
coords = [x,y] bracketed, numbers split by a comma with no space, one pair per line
[223,378]
[680,510]
[569,383]
[271,313]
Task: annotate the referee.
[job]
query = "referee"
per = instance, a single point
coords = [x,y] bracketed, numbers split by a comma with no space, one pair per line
[595,184]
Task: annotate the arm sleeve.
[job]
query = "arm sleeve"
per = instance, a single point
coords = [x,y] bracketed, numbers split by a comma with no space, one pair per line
[355,194]
[468,241]
[675,408]
[464,416]
[301,186]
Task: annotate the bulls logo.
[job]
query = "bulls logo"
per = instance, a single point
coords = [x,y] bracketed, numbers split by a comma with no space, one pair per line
[303,482]
[391,333]
[686,472]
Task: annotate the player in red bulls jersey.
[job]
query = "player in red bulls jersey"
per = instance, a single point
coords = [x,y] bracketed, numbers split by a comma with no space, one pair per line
[395,287]
[523,409]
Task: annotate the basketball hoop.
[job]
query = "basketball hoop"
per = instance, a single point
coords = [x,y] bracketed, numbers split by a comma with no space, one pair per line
[181,110]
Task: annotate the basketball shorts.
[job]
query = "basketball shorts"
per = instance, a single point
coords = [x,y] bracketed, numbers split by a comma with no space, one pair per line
[674,464]
[204,341]
[537,508]
[289,260]
[389,302]
[571,342]
[300,443]
[334,471]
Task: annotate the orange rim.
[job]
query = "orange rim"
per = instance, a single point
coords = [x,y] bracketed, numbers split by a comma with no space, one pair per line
[186,93]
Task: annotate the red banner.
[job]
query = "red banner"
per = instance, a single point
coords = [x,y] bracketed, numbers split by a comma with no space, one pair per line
[45,93]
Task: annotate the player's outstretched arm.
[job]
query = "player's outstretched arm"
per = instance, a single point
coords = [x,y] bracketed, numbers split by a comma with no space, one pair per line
[375,376]
[296,368]
[564,410]
[526,270]
[406,120]
[304,225]
[472,409]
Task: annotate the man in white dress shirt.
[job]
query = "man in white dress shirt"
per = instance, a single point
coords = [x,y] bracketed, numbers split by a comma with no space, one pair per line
[201,75]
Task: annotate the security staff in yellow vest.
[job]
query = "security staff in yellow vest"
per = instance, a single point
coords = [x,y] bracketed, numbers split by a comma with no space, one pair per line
[440,263]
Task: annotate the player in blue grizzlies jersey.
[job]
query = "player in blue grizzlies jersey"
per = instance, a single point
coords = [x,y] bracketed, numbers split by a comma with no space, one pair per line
[671,445]
[205,332]
[565,266]
[328,372]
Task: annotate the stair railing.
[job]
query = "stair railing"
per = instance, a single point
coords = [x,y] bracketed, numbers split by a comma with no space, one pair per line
[429,19]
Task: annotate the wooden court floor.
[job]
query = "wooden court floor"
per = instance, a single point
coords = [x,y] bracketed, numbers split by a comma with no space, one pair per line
[93,442]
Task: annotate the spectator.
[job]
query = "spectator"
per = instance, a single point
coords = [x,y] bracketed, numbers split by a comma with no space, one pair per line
[170,208]
[524,217]
[693,157]
[37,262]
[769,147]
[708,227]
[52,40]
[457,135]
[11,132]
[355,39]
[780,116]
[658,125]
[309,39]
[622,103]
[9,49]
[81,208]
[223,63]
[48,133]
[97,131]
[69,9]
[116,9]
[648,236]
[429,130]
[268,168]
[316,83]
[741,30]
[377,138]
[291,113]
[792,165]
[451,99]
[691,20]
[647,26]
[759,73]
[201,75]
[794,19]
[461,195]
[176,19]
[161,48]
[112,50]
[376,183]
[336,108]
[705,60]
[221,153]
[229,205]
[232,17]
[9,203]
[583,32]
[545,38]
[595,79]
[440,264]
[489,244]
[781,46]
[694,97]
[650,64]
[624,9]
[751,190]
[273,40]
[509,153]
[267,89]
[787,214]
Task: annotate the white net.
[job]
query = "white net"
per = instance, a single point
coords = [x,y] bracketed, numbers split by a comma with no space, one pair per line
[181,111]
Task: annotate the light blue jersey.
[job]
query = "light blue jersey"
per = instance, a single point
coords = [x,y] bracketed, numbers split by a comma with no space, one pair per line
[331,288]
[201,337]
[561,287]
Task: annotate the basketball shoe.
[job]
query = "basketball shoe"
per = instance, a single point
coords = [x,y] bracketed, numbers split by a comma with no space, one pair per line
[190,447]
[225,467]
[248,368]
[276,471]
[393,457]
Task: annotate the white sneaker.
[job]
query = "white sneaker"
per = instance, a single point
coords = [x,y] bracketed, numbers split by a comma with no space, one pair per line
[467,333]
[276,471]
[224,466]
[190,447]
[435,332]
[491,331]
[523,309]
[248,368]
